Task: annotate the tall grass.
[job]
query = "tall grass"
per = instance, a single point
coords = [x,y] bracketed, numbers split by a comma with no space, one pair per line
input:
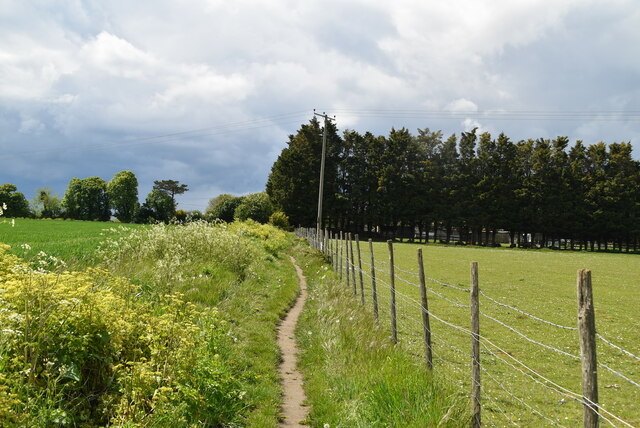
[354,376]
[138,341]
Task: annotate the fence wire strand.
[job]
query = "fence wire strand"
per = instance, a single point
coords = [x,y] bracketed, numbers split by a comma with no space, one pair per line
[410,328]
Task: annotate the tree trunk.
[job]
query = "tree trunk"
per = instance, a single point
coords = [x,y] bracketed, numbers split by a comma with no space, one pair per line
[435,231]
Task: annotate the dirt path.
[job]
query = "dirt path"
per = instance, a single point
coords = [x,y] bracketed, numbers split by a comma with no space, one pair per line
[292,409]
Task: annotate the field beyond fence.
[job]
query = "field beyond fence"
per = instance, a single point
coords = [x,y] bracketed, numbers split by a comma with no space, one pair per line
[529,359]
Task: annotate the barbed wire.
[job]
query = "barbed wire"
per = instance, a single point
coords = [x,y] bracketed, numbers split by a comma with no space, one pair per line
[556,387]
[482,293]
[617,347]
[521,401]
[490,397]
[523,369]
[524,336]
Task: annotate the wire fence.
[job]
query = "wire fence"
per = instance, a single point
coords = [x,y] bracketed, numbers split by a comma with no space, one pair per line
[530,366]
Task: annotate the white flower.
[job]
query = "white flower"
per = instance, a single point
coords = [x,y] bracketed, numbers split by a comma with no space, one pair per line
[13,222]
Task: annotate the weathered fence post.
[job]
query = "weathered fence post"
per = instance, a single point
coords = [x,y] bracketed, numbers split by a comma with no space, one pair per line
[360,270]
[339,246]
[334,253]
[374,291]
[475,348]
[346,251]
[587,329]
[324,241]
[425,312]
[353,266]
[392,285]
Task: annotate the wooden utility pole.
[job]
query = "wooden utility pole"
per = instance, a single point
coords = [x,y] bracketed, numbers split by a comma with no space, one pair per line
[324,150]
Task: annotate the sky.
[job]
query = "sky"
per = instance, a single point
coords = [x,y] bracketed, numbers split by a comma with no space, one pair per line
[207,91]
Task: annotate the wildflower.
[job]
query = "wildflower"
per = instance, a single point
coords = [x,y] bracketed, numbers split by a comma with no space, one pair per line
[13,222]
[26,246]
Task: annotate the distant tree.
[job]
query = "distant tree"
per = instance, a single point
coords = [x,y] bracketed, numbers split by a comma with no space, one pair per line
[195,215]
[87,199]
[223,207]
[170,187]
[45,204]
[123,195]
[256,206]
[17,205]
[294,179]
[157,207]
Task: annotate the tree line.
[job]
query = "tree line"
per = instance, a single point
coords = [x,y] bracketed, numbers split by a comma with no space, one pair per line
[543,192]
[95,199]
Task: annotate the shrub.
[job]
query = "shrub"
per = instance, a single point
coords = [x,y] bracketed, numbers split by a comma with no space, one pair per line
[181,215]
[280,220]
[256,206]
[223,207]
[87,348]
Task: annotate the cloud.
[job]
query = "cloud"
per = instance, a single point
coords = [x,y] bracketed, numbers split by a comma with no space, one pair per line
[82,82]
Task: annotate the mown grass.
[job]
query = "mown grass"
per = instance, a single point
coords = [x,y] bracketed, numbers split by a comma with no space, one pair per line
[542,283]
[74,241]
[354,376]
[240,270]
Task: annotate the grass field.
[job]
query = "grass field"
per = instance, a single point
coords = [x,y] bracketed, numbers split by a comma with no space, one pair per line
[542,283]
[71,240]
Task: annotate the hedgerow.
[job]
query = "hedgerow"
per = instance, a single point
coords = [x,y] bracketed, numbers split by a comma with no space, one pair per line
[89,348]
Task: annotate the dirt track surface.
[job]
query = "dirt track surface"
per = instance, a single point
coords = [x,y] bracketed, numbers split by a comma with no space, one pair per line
[293,410]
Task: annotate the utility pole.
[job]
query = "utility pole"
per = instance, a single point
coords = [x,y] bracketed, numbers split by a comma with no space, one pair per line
[321,190]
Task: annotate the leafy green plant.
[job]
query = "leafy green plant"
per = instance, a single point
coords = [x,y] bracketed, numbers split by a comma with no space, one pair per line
[280,220]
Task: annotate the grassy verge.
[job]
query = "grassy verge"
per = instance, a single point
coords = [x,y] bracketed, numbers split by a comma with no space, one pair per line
[353,375]
[177,326]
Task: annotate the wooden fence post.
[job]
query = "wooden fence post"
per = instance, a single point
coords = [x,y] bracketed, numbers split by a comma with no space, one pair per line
[374,291]
[425,312]
[587,329]
[353,266]
[339,246]
[475,348]
[360,270]
[392,285]
[346,250]
[324,241]
[334,253]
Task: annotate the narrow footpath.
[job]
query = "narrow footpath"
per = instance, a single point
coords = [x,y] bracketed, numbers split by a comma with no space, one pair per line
[293,410]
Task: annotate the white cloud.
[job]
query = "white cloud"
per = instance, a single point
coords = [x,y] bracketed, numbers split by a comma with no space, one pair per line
[462,105]
[84,73]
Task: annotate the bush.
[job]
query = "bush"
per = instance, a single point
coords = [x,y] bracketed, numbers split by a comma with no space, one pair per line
[223,207]
[256,206]
[181,215]
[280,220]
[87,348]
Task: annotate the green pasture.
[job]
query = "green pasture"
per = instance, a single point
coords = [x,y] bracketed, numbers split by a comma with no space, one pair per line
[74,241]
[541,283]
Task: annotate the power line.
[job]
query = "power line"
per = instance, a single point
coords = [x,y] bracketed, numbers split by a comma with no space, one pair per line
[220,129]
